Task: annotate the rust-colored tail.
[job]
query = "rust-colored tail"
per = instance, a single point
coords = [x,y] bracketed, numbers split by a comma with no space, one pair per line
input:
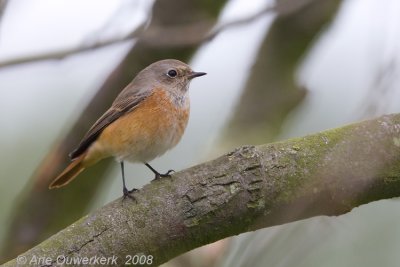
[72,170]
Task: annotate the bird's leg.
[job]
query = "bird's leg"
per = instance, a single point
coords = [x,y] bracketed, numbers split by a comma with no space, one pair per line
[159,175]
[127,193]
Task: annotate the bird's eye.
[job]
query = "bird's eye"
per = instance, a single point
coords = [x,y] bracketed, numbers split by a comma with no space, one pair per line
[172,73]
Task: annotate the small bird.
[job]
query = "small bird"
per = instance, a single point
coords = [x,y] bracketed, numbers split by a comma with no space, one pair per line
[146,119]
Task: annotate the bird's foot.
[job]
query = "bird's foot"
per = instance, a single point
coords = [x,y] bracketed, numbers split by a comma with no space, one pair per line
[128,193]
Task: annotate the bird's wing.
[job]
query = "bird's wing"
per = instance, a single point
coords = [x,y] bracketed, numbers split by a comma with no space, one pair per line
[126,102]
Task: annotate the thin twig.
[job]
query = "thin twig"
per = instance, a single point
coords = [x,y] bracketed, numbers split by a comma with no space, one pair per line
[60,54]
[176,36]
[166,36]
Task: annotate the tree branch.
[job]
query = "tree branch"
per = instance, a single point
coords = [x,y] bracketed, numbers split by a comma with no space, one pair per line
[253,187]
[62,53]
[168,36]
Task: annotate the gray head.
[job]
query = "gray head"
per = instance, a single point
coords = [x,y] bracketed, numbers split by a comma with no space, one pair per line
[171,74]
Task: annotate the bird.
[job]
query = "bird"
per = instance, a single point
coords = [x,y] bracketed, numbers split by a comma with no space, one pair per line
[147,118]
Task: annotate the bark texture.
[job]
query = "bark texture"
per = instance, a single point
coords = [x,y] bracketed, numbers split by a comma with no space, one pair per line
[253,187]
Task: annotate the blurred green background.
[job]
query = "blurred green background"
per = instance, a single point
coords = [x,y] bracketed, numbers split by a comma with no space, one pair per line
[275,70]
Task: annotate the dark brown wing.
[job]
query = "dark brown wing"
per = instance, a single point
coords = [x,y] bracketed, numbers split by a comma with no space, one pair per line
[125,102]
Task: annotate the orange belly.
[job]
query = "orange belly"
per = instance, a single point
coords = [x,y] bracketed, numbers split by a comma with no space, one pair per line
[151,129]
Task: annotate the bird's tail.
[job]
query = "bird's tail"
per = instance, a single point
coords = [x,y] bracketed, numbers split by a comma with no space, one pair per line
[72,170]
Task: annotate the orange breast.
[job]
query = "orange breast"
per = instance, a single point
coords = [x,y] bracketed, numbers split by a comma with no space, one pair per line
[155,126]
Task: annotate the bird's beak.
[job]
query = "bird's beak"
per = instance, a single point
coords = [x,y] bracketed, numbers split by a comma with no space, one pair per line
[196,74]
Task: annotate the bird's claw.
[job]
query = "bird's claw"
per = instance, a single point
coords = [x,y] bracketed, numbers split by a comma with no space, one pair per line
[127,193]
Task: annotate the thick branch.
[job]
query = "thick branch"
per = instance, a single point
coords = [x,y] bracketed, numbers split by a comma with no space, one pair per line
[328,173]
